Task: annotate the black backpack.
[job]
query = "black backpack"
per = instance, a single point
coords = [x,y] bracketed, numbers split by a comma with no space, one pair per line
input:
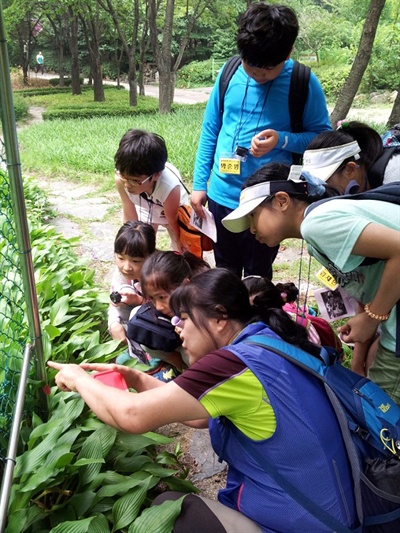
[377,171]
[153,329]
[298,93]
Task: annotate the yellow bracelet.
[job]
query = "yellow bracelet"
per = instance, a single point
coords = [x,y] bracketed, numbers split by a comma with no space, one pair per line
[368,311]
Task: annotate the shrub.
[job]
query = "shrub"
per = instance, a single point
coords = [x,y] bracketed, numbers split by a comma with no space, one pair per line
[196,73]
[332,79]
[55,82]
[21,107]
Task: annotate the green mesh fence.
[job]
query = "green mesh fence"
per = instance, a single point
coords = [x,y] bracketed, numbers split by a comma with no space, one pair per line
[13,325]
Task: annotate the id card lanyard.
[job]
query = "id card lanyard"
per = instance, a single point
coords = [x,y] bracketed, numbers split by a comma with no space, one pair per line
[230,163]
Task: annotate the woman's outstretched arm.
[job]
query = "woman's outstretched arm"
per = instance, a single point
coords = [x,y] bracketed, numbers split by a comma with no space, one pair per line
[126,411]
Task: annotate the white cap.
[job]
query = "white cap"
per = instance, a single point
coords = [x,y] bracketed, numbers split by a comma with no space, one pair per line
[250,198]
[324,162]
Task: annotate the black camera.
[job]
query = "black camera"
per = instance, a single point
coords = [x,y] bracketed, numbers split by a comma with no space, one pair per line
[242,153]
[115,297]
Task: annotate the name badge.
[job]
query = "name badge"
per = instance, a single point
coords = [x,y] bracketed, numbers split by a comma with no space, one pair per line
[229,164]
[327,279]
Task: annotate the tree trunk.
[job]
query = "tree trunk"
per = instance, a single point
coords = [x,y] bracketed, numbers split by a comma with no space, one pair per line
[349,90]
[73,48]
[395,114]
[92,29]
[57,24]
[130,49]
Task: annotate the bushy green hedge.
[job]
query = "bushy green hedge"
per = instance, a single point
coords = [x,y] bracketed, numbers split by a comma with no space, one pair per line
[197,73]
[42,91]
[112,111]
[55,82]
[21,107]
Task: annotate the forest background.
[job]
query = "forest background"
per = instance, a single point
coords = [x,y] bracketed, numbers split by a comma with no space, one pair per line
[353,46]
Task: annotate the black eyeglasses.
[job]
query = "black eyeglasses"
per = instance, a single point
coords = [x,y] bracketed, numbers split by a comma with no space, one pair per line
[135,183]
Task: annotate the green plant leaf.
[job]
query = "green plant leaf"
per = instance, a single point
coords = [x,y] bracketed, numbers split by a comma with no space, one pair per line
[160,518]
[158,470]
[39,479]
[91,461]
[31,460]
[118,488]
[99,525]
[59,310]
[24,518]
[180,485]
[100,350]
[81,502]
[73,526]
[96,446]
[126,509]
[52,331]
[134,442]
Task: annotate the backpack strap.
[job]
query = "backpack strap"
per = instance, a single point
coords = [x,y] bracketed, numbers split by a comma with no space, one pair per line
[298,94]
[390,192]
[230,68]
[298,496]
[377,171]
[312,365]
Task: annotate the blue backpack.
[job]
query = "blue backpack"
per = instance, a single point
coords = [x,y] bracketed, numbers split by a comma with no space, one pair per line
[370,424]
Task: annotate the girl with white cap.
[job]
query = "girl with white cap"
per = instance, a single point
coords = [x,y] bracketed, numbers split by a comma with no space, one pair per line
[341,234]
[352,158]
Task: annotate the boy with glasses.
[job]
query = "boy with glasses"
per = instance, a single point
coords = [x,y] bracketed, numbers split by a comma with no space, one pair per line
[151,189]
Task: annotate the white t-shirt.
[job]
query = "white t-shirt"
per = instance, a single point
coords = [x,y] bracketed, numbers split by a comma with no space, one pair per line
[150,208]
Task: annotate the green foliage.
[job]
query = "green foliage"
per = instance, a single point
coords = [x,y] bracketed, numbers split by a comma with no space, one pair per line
[47,91]
[383,69]
[80,475]
[61,104]
[21,108]
[332,79]
[197,73]
[97,110]
[55,82]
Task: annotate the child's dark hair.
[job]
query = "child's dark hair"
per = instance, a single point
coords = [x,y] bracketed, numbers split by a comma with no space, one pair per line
[136,239]
[141,153]
[168,270]
[265,293]
[266,34]
[280,172]
[219,293]
[368,140]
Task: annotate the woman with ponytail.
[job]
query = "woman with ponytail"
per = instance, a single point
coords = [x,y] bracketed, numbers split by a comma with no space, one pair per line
[253,401]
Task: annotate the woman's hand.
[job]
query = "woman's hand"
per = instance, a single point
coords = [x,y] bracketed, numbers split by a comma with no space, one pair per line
[360,328]
[68,376]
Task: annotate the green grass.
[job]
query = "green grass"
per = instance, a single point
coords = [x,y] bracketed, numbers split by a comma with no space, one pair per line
[83,150]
